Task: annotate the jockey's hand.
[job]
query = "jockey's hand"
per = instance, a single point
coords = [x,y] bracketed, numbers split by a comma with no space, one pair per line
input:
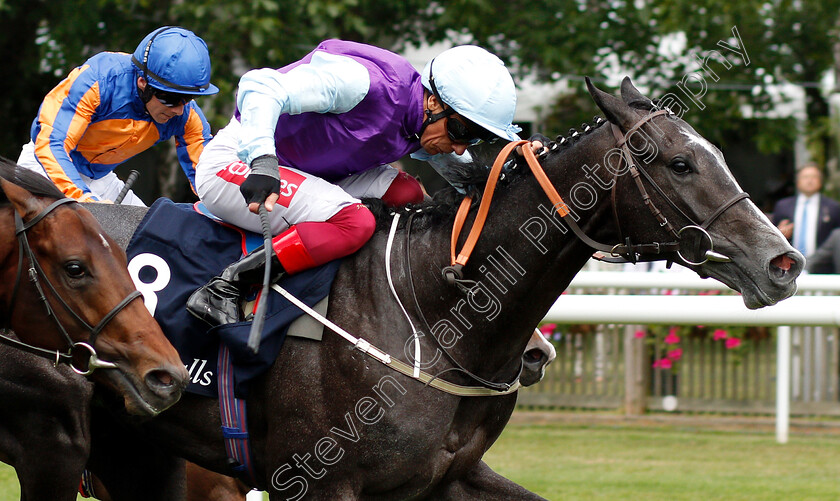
[263,183]
[539,145]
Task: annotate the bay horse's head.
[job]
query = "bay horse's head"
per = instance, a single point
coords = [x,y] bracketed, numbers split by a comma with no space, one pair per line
[65,288]
[719,232]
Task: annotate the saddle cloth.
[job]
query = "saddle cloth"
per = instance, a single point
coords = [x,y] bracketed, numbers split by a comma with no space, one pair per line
[174,251]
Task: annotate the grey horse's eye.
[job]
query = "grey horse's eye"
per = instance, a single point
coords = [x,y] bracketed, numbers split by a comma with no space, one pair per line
[680,166]
[74,269]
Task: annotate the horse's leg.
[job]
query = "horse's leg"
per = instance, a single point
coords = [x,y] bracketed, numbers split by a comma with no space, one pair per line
[44,425]
[206,485]
[131,466]
[483,484]
[50,468]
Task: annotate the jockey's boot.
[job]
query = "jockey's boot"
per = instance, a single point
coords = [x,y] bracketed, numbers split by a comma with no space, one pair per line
[217,302]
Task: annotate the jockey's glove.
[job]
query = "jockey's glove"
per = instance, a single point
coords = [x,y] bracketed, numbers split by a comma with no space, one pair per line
[544,140]
[263,180]
[518,161]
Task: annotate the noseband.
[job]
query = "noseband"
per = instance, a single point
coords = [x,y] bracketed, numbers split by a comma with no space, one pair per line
[34,272]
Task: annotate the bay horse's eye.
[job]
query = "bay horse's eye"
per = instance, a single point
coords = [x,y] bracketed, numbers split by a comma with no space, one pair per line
[680,166]
[74,269]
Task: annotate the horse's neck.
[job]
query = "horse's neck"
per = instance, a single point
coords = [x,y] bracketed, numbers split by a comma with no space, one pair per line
[523,261]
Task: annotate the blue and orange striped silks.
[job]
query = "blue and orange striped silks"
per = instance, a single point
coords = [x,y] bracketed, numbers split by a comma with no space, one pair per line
[94,120]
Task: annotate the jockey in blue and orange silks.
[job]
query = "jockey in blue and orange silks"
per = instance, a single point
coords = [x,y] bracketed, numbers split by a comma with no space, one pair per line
[117,105]
[311,139]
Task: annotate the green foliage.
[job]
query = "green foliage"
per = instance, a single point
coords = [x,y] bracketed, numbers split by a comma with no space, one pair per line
[656,42]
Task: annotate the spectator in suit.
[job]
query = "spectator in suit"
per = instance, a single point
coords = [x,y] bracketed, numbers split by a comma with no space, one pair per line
[808,218]
[826,259]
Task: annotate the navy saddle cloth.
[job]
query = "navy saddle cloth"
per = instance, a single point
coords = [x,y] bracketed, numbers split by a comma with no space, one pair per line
[176,250]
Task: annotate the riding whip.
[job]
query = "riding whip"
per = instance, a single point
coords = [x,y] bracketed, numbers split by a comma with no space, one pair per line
[259,316]
[132,176]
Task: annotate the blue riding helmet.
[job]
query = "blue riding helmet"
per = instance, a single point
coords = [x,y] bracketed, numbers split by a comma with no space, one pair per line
[174,59]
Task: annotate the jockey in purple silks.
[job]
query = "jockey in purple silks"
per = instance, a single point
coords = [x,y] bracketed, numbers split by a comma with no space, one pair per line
[311,139]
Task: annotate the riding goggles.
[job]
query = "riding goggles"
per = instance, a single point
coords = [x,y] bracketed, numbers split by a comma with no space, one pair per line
[466,132]
[172,99]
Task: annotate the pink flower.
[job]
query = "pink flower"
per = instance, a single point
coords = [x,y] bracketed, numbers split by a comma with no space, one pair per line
[732,342]
[672,337]
[663,363]
[547,329]
[675,354]
[639,334]
[719,334]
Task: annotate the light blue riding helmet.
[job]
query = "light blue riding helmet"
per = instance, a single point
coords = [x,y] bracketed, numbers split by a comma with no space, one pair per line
[174,59]
[476,84]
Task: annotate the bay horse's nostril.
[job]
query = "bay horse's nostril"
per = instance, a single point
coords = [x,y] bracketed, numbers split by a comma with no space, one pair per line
[164,383]
[164,377]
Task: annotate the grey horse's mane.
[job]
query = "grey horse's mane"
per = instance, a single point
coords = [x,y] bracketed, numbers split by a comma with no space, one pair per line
[31,181]
[444,204]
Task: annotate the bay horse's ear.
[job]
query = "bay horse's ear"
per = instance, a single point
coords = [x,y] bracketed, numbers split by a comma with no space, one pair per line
[23,201]
[615,109]
[633,97]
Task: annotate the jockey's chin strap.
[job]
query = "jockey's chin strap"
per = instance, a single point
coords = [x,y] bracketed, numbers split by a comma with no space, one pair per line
[624,252]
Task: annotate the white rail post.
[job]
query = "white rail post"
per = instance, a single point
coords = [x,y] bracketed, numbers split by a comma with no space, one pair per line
[782,383]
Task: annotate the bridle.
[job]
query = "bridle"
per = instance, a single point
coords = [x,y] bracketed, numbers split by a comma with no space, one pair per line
[34,272]
[625,251]
[632,253]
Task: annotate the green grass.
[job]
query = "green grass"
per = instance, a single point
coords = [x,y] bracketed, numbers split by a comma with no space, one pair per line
[563,461]
[579,462]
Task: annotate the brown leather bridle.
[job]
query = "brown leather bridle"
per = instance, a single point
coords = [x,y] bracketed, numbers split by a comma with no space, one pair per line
[621,252]
[34,272]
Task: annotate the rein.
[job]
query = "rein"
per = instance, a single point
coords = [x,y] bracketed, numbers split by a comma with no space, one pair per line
[398,365]
[34,272]
[624,252]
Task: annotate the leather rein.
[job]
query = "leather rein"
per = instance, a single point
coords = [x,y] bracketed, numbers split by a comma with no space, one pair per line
[620,252]
[35,274]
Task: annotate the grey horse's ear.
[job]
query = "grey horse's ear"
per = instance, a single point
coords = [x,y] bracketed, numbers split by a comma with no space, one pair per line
[615,109]
[633,97]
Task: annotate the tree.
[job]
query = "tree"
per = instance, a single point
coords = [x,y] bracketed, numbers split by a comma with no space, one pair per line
[655,42]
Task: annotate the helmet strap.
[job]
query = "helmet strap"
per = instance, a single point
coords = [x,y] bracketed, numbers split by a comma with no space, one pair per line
[434,117]
[146,93]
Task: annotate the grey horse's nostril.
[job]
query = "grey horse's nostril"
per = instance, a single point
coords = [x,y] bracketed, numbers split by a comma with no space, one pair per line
[782,262]
[785,267]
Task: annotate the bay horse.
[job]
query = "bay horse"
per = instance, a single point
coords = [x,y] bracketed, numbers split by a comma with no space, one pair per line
[331,423]
[68,310]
